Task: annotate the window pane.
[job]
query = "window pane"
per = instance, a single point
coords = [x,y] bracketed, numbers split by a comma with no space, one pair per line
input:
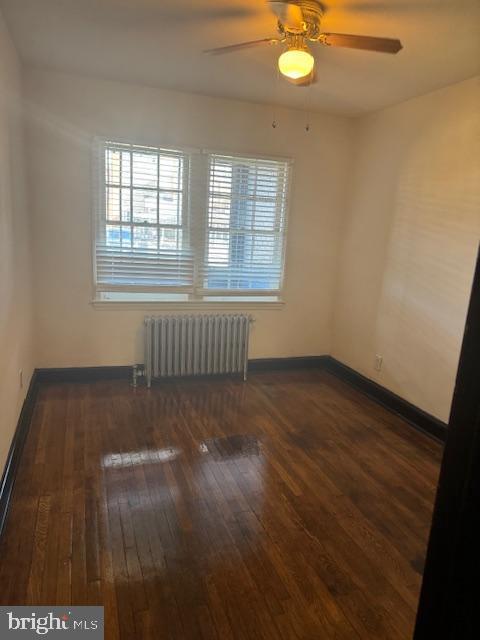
[265,215]
[240,249]
[118,236]
[263,249]
[170,238]
[170,207]
[126,205]
[267,183]
[243,181]
[221,178]
[112,166]
[218,248]
[144,238]
[113,235]
[126,237]
[145,168]
[171,171]
[126,162]
[219,212]
[242,213]
[113,203]
[144,206]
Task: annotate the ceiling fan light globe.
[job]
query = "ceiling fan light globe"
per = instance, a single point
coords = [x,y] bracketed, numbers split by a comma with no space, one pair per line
[296,63]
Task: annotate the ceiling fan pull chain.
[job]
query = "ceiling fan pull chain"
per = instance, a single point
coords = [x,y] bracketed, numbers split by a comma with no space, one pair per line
[275,106]
[309,102]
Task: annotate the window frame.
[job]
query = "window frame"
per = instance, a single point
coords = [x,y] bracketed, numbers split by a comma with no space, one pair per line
[192,199]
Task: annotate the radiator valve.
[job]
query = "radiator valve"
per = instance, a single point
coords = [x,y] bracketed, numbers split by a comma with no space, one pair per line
[138,371]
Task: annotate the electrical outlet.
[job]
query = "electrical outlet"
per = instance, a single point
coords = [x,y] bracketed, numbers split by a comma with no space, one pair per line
[20,378]
[378,362]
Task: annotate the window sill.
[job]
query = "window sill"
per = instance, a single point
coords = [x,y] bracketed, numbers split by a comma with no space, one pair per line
[187,304]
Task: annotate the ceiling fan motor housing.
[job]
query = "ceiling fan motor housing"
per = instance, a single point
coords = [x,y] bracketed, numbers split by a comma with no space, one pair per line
[312,12]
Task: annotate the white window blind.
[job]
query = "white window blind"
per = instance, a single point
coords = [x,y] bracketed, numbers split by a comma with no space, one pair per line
[196,223]
[245,228]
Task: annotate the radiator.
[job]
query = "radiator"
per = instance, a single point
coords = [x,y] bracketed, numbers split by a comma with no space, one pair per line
[196,345]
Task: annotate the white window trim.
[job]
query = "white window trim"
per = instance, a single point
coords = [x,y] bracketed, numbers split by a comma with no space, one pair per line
[187,304]
[246,299]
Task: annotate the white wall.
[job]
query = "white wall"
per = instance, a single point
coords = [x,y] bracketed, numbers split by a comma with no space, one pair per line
[65,112]
[15,312]
[409,244]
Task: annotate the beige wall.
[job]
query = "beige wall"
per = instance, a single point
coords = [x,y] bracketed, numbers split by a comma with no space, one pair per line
[15,313]
[409,243]
[383,228]
[67,111]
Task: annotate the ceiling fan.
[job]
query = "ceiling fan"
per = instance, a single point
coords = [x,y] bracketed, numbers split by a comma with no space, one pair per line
[298,22]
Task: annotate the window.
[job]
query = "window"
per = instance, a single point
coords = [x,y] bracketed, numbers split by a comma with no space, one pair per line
[142,229]
[176,225]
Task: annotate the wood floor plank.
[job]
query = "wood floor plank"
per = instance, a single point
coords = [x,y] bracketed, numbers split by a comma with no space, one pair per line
[288,507]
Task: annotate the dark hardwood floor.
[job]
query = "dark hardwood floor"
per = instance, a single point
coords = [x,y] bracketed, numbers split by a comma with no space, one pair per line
[289,507]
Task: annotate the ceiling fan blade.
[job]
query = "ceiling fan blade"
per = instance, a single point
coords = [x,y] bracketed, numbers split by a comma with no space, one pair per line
[289,13]
[241,45]
[368,43]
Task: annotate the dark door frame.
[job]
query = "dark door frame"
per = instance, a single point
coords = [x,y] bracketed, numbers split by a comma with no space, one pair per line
[449,607]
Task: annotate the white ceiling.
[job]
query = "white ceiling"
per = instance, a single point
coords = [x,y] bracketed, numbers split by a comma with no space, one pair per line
[159,43]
